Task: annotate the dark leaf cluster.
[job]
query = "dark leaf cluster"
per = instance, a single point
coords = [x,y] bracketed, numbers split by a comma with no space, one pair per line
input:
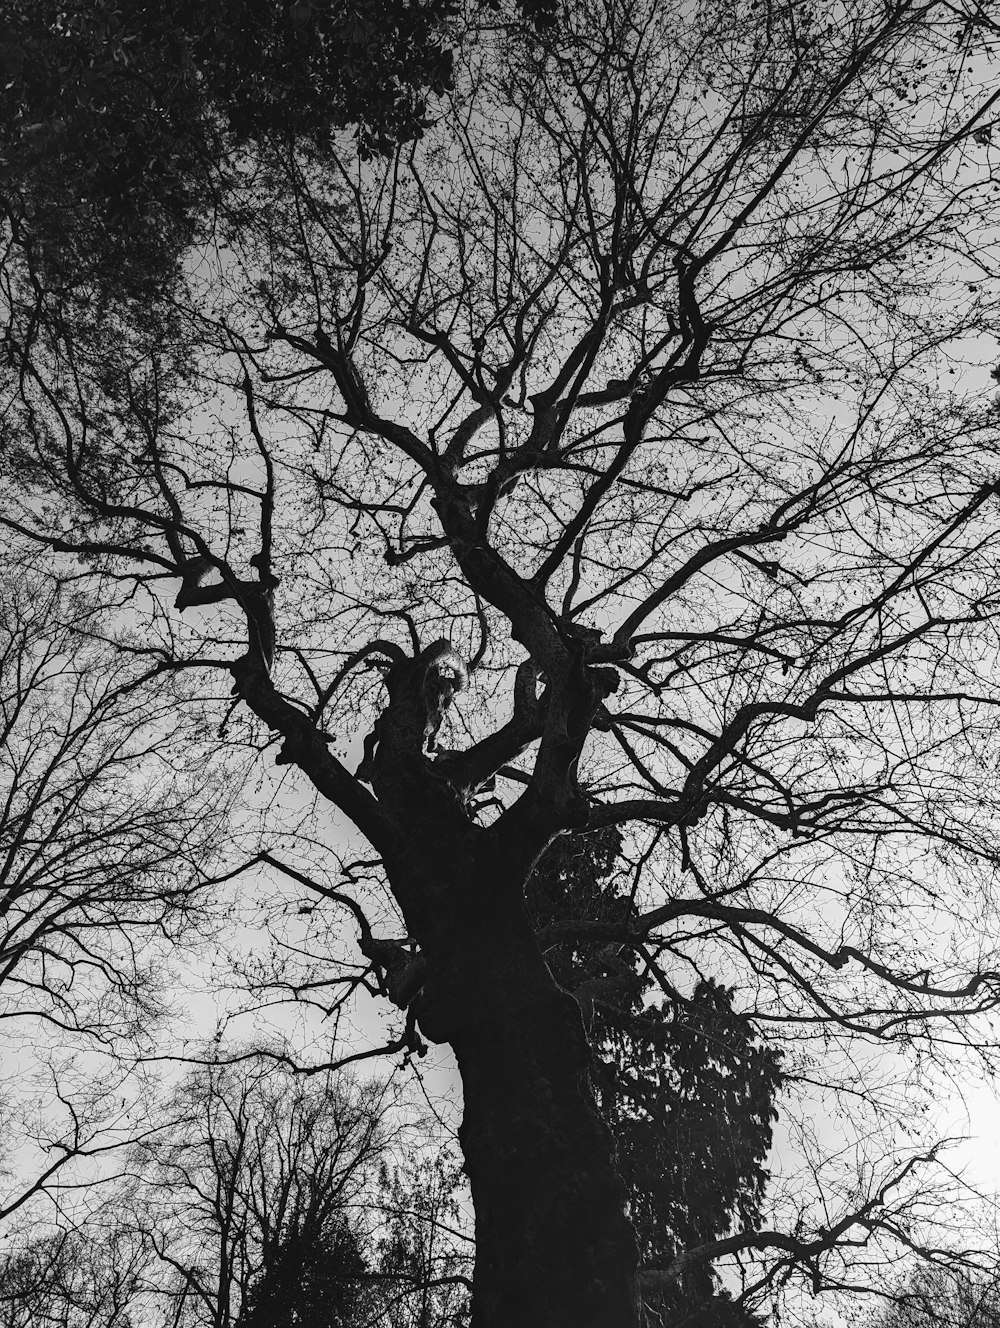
[119,125]
[686,1084]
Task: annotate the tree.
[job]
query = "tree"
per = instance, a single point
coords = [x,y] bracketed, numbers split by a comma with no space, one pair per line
[637,380]
[258,1200]
[313,1278]
[684,1082]
[253,1199]
[424,1249]
[104,839]
[951,1296]
[69,1281]
[122,127]
[145,108]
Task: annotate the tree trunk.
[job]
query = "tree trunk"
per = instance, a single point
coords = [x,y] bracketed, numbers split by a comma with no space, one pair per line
[553,1245]
[554,1248]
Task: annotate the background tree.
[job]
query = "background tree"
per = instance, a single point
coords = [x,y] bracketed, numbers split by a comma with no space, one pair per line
[951,1296]
[684,1082]
[72,1280]
[637,378]
[145,110]
[259,1200]
[425,1245]
[258,1176]
[122,127]
[312,1277]
[262,1200]
[104,841]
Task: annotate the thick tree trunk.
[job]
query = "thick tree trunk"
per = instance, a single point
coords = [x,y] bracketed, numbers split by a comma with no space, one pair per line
[554,1248]
[553,1245]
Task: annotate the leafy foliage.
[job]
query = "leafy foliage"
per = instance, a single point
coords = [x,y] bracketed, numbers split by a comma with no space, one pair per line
[686,1085]
[120,124]
[312,1278]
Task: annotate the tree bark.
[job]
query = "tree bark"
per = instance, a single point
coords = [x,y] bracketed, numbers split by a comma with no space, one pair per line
[554,1248]
[553,1245]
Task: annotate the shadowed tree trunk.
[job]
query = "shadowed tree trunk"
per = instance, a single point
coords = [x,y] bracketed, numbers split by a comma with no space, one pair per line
[552,1240]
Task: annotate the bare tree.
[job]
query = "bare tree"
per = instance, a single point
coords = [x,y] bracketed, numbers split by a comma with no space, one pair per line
[72,1280]
[613,457]
[424,1248]
[262,1199]
[949,1296]
[104,845]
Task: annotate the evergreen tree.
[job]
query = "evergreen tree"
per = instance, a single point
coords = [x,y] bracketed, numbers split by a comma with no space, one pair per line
[685,1084]
[310,1279]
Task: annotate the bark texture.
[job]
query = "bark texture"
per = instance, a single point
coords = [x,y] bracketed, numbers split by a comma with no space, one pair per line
[553,1244]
